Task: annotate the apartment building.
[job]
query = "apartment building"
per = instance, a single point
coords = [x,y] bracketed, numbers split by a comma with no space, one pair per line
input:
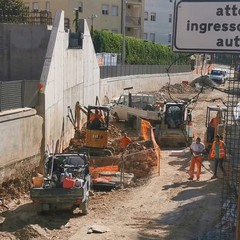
[109,15]
[158,21]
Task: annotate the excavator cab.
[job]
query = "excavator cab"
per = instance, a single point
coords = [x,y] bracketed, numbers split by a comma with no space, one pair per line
[97,130]
[215,122]
[174,115]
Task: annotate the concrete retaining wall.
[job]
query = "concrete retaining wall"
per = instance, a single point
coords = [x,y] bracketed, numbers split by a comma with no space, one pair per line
[22,51]
[21,136]
[113,87]
[69,75]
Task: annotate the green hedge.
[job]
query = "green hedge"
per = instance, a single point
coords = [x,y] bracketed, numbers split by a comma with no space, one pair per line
[137,51]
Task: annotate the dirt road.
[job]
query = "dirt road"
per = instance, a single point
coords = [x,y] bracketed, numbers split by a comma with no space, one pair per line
[165,207]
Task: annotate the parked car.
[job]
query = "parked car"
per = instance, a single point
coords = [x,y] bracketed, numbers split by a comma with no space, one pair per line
[218,76]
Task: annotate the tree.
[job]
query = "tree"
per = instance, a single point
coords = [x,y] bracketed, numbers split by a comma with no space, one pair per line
[12,11]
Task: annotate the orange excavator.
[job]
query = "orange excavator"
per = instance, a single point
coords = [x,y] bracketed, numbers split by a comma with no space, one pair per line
[96,136]
[97,132]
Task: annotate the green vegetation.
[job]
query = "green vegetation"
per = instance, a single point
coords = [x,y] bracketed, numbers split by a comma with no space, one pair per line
[12,11]
[137,51]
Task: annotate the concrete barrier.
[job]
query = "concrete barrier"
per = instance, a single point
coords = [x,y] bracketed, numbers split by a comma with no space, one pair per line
[113,87]
[21,134]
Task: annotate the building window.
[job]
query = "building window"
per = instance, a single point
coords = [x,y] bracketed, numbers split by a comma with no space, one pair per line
[114,10]
[170,0]
[105,9]
[152,37]
[170,18]
[48,6]
[169,38]
[35,7]
[80,7]
[145,16]
[145,36]
[153,16]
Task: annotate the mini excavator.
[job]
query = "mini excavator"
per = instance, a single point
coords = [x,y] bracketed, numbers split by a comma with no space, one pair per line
[96,143]
[96,136]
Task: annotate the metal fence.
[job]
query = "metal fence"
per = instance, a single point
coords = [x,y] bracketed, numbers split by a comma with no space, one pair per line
[126,70]
[230,198]
[24,93]
[34,18]
[18,94]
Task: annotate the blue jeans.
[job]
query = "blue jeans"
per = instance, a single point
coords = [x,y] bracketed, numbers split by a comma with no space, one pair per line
[218,161]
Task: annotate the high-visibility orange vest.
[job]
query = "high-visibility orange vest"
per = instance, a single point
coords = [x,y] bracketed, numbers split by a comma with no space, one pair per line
[221,150]
[95,116]
[213,122]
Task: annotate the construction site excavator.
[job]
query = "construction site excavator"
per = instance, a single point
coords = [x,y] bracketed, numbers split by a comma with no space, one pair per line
[96,133]
[96,143]
[175,129]
[215,124]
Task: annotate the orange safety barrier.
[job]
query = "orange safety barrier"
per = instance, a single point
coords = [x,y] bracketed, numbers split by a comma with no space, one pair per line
[148,134]
[112,168]
[146,129]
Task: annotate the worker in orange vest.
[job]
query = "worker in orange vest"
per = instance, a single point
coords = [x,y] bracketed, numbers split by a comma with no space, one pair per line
[218,153]
[96,120]
[96,115]
[124,141]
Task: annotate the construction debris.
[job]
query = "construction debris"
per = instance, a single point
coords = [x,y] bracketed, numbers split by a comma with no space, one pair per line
[2,204]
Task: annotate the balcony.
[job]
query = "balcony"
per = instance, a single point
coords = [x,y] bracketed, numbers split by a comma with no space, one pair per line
[133,21]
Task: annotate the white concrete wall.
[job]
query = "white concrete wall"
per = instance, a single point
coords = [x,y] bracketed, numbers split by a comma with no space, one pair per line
[21,136]
[113,87]
[69,75]
[91,71]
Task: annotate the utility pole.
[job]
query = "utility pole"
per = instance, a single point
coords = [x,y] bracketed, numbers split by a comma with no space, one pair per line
[92,17]
[76,19]
[123,30]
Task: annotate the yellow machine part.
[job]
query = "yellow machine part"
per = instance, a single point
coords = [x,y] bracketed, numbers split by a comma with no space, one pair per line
[173,138]
[96,138]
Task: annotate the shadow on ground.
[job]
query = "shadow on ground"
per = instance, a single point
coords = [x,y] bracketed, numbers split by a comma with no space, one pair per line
[198,209]
[26,214]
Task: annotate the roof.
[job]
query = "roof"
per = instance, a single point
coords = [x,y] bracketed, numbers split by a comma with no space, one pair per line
[217,108]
